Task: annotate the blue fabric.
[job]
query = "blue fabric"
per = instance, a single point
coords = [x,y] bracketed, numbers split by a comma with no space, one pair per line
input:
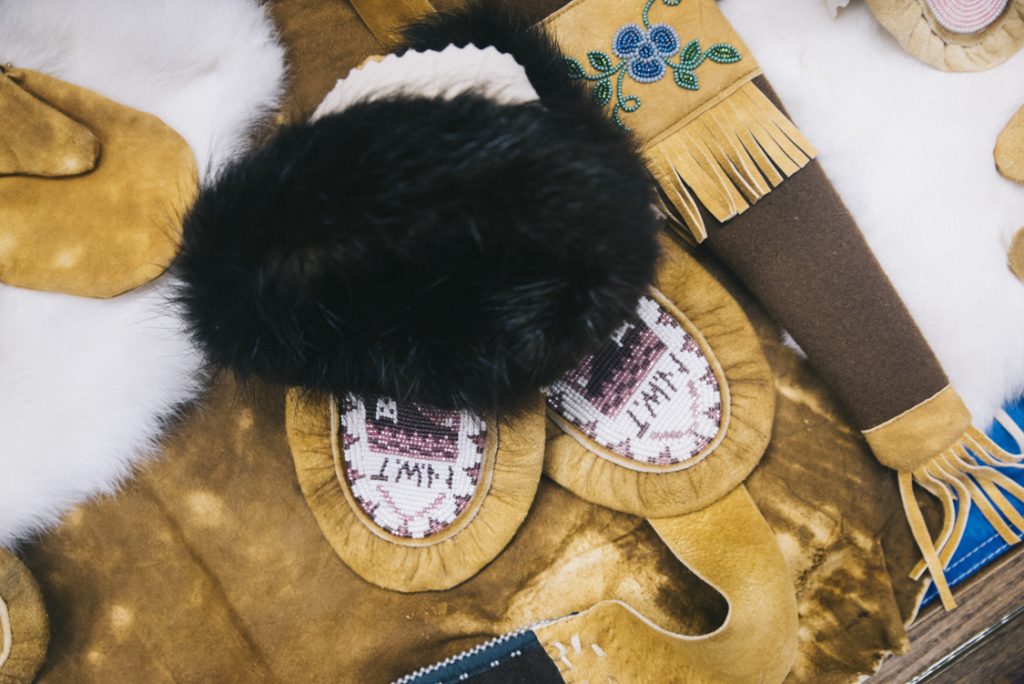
[981,545]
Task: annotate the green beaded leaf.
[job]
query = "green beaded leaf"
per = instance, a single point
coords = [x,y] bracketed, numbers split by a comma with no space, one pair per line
[723,54]
[602,67]
[599,60]
[692,56]
[686,79]
[574,68]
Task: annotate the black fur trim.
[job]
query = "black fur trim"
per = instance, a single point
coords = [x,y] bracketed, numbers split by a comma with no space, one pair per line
[459,253]
[496,24]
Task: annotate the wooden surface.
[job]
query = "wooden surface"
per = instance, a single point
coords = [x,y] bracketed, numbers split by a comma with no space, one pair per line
[978,643]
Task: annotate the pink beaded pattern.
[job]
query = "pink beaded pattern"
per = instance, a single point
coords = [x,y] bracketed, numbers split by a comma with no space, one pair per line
[649,394]
[413,470]
[966,16]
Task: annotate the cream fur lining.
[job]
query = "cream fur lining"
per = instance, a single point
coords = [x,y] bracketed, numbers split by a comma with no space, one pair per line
[450,72]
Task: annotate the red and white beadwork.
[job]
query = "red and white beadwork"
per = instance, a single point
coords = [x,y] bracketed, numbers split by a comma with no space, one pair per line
[966,16]
[649,394]
[413,470]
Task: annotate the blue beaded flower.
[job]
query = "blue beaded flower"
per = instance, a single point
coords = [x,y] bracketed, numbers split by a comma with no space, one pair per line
[645,51]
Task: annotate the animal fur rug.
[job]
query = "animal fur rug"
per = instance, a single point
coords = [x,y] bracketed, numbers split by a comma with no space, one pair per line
[87,385]
[909,148]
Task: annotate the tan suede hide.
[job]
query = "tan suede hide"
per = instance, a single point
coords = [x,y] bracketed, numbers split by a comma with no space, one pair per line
[209,566]
[1009,154]
[1016,254]
[1009,150]
[920,431]
[108,229]
[38,140]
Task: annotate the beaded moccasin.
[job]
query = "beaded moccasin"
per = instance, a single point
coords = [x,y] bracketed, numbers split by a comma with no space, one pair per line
[955,35]
[24,629]
[413,498]
[675,410]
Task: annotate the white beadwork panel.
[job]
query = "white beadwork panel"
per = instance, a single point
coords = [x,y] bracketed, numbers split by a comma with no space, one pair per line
[413,470]
[649,394]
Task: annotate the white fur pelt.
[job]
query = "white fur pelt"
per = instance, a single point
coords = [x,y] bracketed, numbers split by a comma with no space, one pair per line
[86,385]
[909,148]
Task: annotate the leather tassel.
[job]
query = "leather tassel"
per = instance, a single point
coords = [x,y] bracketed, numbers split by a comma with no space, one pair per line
[962,476]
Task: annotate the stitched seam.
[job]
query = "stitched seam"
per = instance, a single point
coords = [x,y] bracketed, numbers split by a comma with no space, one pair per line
[979,547]
[578,648]
[981,563]
[912,408]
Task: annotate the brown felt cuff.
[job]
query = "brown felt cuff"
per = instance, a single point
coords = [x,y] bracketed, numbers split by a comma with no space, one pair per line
[914,437]
[800,252]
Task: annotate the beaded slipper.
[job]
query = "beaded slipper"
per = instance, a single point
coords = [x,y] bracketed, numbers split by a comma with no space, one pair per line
[955,35]
[24,629]
[674,411]
[413,498]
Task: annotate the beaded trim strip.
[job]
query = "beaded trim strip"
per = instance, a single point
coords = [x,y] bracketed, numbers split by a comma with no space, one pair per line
[477,660]
[650,394]
[646,53]
[6,637]
[412,470]
[966,16]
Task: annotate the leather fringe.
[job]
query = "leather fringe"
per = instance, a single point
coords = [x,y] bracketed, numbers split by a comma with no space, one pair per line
[729,156]
[962,476]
